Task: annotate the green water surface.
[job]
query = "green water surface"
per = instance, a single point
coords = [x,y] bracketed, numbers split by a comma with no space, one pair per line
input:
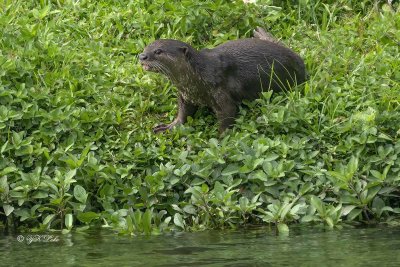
[258,247]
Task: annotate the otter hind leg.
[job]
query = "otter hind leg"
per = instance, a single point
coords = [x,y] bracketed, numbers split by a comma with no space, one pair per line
[226,113]
[185,109]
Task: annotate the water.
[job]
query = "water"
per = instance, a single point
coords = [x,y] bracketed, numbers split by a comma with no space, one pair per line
[257,247]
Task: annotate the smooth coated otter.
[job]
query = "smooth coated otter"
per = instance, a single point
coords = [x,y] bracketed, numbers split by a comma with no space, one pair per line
[222,77]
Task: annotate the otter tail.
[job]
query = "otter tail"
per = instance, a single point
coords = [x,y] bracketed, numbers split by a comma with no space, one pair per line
[262,34]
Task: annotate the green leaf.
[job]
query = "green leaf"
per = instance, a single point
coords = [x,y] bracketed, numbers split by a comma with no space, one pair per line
[270,157]
[257,162]
[296,208]
[17,138]
[283,229]
[353,214]
[182,170]
[8,209]
[147,216]
[25,150]
[87,217]
[230,169]
[68,221]
[43,13]
[352,167]
[371,194]
[307,218]
[4,188]
[48,219]
[65,231]
[376,174]
[82,228]
[69,175]
[129,224]
[190,209]
[338,176]
[3,147]
[347,209]
[40,194]
[178,221]
[268,168]
[204,188]
[284,210]
[317,203]
[377,205]
[84,154]
[23,214]
[80,194]
[260,175]
[329,222]
[243,203]
[35,13]
[305,188]
[218,188]
[137,219]
[8,170]
[197,194]
[396,210]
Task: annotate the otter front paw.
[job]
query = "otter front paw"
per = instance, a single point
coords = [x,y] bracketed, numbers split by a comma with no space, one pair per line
[164,127]
[161,128]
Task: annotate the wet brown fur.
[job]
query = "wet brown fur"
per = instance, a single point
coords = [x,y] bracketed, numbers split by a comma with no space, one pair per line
[222,77]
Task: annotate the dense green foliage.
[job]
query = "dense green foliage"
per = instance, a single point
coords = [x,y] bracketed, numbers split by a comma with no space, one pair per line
[76,113]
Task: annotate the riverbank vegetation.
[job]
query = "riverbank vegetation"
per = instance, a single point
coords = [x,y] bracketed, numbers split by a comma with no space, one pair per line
[77,111]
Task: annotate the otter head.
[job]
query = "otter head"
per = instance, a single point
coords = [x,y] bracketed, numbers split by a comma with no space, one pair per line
[166,56]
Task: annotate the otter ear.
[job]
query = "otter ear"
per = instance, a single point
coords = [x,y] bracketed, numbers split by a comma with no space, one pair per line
[185,51]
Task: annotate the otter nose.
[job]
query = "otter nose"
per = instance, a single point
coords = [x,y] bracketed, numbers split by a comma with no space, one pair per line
[143,56]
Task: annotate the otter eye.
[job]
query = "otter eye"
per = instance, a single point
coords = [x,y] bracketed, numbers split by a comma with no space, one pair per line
[158,51]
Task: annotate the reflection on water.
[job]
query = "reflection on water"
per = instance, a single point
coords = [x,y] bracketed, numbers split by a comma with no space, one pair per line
[257,247]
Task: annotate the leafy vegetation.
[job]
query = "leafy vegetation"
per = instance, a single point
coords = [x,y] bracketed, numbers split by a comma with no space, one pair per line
[76,113]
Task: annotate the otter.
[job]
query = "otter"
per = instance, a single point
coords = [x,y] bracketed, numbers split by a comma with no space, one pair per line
[222,77]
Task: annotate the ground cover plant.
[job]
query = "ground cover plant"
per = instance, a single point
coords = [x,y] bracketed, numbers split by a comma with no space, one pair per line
[76,113]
